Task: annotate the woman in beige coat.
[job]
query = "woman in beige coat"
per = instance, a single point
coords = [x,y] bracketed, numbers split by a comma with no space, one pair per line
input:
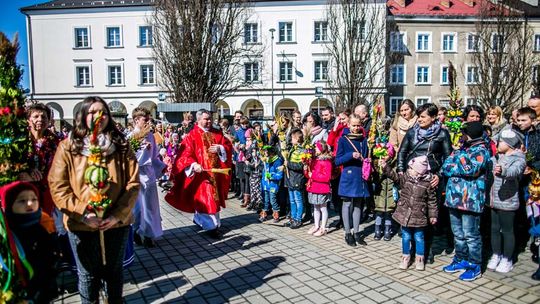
[71,193]
[402,122]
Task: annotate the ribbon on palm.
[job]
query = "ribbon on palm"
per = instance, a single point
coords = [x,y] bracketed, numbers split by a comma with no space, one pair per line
[97,177]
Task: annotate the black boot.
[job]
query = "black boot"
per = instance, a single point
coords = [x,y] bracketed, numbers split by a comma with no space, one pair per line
[350,240]
[149,243]
[359,238]
[137,239]
[387,233]
[214,234]
[378,233]
[536,275]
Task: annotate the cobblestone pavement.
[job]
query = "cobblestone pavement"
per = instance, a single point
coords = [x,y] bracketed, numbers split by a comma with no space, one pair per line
[266,263]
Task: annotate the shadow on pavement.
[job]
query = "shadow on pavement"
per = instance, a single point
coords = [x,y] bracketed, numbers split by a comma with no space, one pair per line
[234,282]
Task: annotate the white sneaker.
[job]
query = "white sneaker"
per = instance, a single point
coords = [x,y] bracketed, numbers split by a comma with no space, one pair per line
[493,262]
[504,266]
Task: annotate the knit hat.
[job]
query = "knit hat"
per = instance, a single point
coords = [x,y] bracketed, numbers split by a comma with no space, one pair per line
[473,129]
[511,138]
[420,164]
[9,192]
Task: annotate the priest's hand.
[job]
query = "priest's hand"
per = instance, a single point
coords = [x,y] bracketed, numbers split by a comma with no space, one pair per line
[108,223]
[197,168]
[213,149]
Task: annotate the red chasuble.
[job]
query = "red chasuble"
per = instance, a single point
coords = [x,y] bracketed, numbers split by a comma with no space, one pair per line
[203,192]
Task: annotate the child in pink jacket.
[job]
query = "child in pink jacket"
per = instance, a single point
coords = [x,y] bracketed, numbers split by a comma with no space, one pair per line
[318,187]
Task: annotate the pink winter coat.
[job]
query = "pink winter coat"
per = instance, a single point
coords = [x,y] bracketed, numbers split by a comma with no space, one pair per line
[321,173]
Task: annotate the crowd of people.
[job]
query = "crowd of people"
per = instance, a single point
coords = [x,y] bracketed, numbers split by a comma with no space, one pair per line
[474,192]
[90,193]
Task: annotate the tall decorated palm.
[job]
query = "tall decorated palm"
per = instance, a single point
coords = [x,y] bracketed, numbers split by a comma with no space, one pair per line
[14,146]
[454,120]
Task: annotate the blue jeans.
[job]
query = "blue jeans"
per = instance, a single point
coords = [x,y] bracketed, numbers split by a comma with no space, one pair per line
[407,234]
[297,204]
[90,269]
[467,239]
[270,199]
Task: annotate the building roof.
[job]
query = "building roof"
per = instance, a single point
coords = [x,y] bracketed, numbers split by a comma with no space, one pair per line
[67,4]
[446,8]
[74,4]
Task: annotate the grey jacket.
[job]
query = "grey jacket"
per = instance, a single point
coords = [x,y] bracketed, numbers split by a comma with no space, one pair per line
[504,193]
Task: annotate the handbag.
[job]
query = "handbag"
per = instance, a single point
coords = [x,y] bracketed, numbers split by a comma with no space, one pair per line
[367,165]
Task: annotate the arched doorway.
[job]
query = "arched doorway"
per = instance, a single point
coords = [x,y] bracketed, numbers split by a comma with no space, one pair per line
[118,112]
[223,109]
[151,106]
[57,111]
[318,104]
[286,106]
[253,109]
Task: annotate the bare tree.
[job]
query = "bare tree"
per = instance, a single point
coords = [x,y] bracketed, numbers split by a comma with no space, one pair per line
[503,63]
[357,34]
[199,49]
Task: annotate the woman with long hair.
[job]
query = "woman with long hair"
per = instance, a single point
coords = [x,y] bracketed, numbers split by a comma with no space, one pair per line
[404,120]
[98,239]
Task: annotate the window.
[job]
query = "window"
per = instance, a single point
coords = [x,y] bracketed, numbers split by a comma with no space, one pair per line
[394,104]
[444,102]
[360,29]
[444,75]
[472,75]
[321,70]
[449,42]
[397,42]
[115,75]
[397,74]
[537,42]
[285,71]
[423,42]
[497,43]
[145,36]
[113,37]
[473,43]
[82,40]
[423,75]
[535,72]
[285,32]
[321,31]
[251,31]
[422,100]
[147,74]
[470,101]
[251,72]
[83,76]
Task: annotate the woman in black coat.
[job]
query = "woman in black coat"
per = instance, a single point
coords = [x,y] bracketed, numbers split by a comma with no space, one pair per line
[428,138]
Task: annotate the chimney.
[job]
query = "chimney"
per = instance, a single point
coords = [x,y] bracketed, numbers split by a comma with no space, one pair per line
[468,2]
[401,2]
[445,3]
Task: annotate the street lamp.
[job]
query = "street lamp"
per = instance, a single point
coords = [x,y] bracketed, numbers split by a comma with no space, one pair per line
[272,30]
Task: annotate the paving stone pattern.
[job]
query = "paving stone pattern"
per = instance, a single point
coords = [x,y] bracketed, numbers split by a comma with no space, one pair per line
[266,263]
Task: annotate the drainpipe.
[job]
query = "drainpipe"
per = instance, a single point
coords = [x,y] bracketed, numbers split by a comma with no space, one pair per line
[30,55]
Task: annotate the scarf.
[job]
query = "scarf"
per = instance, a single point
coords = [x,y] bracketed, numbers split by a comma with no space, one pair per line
[424,134]
[17,221]
[355,136]
[104,142]
[316,130]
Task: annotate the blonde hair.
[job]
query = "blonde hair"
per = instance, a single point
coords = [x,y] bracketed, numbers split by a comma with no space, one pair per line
[498,111]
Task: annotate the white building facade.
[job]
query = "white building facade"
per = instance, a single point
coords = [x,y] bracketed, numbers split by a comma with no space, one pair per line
[78,49]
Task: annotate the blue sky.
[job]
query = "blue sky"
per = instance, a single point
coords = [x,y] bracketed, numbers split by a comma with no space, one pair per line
[13,21]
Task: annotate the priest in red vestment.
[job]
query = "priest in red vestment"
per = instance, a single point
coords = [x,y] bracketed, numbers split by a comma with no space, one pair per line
[198,187]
